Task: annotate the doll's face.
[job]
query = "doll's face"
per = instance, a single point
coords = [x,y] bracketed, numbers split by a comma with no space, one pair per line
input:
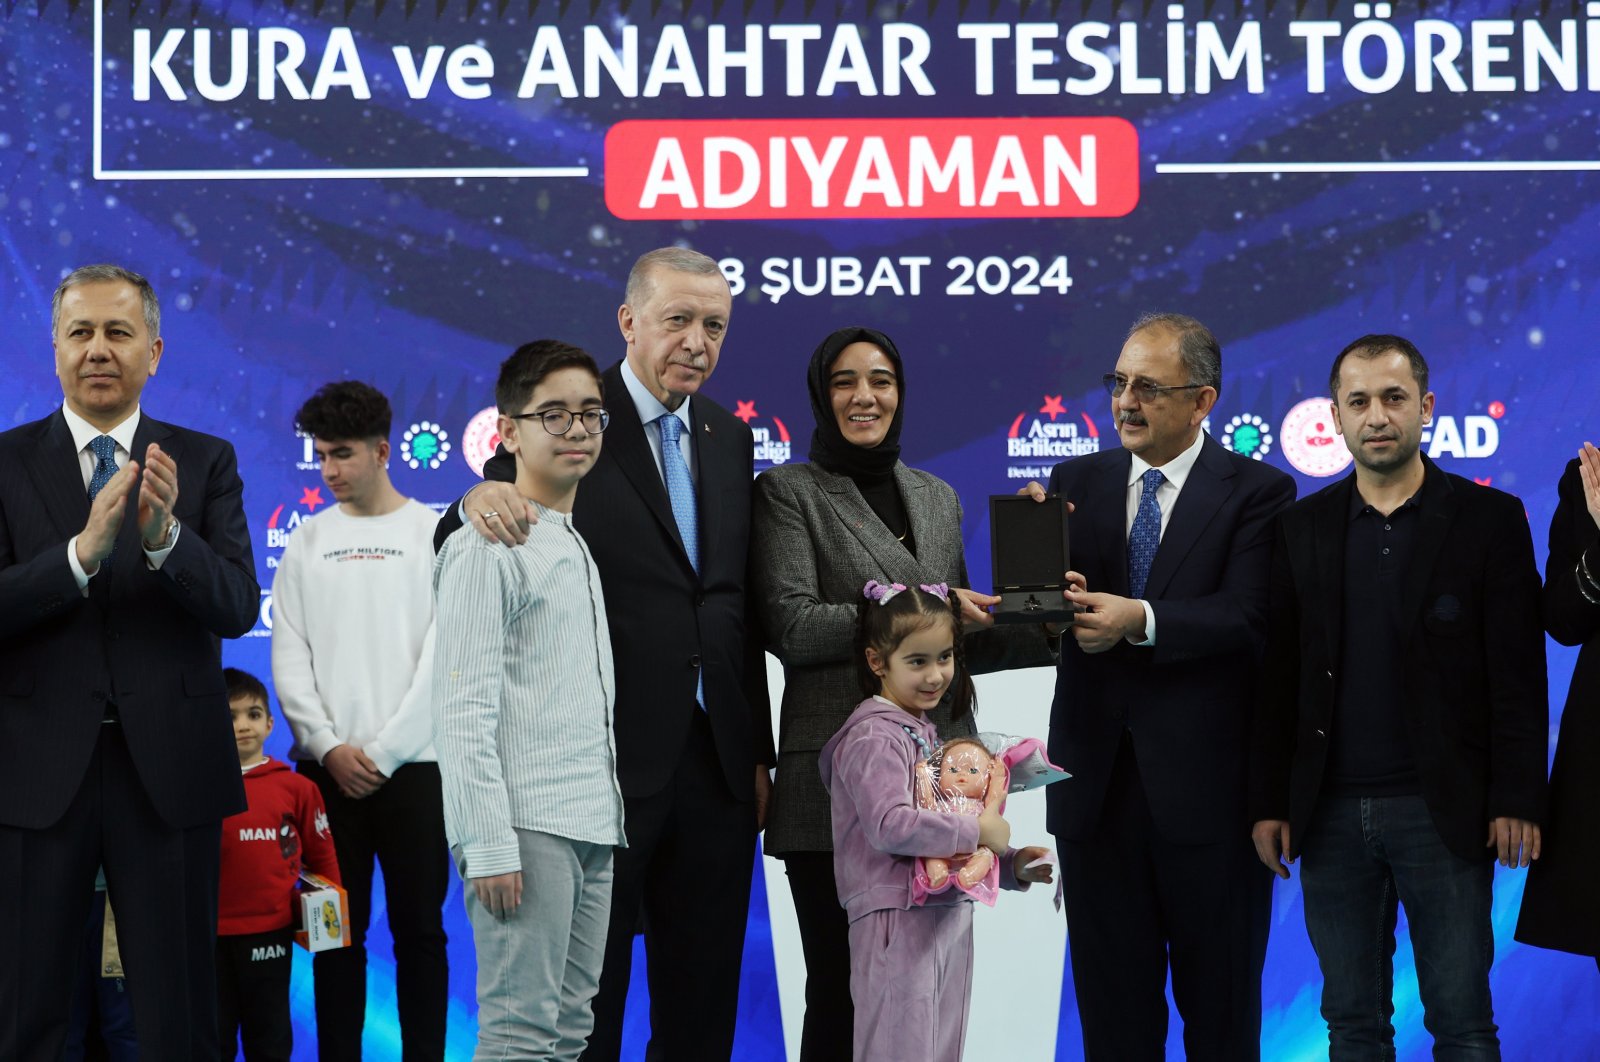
[964,771]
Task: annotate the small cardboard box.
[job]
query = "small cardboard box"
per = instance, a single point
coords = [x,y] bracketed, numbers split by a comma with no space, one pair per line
[324,912]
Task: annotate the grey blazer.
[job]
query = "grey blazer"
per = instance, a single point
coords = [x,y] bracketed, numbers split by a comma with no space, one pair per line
[814,543]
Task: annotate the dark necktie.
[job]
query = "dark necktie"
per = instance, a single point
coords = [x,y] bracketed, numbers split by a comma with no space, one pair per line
[105,452]
[1144,538]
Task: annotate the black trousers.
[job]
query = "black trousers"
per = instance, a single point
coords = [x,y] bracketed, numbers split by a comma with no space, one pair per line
[691,849]
[1137,903]
[825,939]
[253,995]
[401,827]
[163,887]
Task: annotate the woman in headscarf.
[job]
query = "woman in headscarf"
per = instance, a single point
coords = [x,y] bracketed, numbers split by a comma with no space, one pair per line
[820,531]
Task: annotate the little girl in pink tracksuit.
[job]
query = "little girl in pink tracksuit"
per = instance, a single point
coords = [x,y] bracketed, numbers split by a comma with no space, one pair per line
[910,966]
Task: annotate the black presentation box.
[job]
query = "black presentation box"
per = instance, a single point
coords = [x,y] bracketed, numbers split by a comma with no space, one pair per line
[1028,545]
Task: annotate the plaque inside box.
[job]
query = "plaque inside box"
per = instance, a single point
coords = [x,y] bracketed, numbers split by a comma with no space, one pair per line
[1028,544]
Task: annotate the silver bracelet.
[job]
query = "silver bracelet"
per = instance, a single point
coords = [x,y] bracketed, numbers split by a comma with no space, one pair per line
[1584,576]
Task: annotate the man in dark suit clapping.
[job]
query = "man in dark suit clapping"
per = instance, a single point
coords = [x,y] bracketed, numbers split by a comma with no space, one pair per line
[1402,715]
[124,557]
[666,514]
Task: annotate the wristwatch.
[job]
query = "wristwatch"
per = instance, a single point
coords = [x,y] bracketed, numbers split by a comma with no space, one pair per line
[166,540]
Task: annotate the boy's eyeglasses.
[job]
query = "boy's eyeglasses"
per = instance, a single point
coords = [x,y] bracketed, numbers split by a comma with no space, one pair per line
[1143,390]
[559,421]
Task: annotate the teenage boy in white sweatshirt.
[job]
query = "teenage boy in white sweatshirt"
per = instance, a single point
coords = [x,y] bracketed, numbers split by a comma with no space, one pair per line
[352,653]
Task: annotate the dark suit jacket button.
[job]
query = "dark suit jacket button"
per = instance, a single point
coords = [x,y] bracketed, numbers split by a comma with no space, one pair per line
[701,600]
[1321,734]
[694,661]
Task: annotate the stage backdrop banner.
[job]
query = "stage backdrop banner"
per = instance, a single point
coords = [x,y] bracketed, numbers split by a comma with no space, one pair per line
[402,192]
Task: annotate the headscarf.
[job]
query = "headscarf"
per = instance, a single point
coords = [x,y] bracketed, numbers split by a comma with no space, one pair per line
[829,448]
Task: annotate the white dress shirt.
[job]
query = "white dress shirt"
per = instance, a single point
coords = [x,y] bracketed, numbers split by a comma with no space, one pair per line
[651,410]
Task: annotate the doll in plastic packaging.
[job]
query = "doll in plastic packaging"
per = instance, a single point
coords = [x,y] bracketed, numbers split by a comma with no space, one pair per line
[963,778]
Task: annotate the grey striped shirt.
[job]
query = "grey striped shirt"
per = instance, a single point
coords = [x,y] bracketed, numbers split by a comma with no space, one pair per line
[523,694]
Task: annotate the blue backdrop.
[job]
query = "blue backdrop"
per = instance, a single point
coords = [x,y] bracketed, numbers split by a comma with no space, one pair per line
[1293,177]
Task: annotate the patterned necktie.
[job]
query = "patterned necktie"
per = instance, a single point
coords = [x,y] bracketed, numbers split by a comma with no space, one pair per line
[105,452]
[680,493]
[1145,535]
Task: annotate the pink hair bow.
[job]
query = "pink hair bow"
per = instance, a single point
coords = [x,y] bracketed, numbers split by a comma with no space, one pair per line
[881,592]
[938,590]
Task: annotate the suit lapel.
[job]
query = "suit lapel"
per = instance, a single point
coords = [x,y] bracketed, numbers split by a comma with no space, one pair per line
[626,444]
[53,466]
[1208,485]
[717,474]
[890,554]
[1433,527]
[1109,518]
[920,520]
[1330,527]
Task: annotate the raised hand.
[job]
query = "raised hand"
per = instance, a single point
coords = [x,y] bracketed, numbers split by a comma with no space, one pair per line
[99,535]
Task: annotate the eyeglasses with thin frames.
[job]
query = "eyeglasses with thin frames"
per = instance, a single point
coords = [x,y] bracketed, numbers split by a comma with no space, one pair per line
[559,421]
[1143,390]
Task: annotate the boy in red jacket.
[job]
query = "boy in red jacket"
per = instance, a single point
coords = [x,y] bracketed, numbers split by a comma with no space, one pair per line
[262,851]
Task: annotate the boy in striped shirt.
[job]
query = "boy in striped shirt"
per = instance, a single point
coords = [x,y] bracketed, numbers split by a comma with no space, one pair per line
[523,696]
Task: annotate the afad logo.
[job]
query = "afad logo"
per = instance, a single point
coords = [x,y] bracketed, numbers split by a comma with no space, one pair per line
[280,525]
[1035,443]
[768,449]
[1475,435]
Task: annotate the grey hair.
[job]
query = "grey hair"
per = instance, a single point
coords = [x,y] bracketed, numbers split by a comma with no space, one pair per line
[641,278]
[1198,349]
[106,273]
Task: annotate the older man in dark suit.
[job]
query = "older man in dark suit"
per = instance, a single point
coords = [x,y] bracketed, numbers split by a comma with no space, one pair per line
[1402,714]
[124,558]
[1170,542]
[666,514]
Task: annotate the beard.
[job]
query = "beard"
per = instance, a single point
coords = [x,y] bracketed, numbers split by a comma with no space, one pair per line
[1398,456]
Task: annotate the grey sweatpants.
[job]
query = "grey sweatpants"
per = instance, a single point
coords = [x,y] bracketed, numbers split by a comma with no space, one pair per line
[539,969]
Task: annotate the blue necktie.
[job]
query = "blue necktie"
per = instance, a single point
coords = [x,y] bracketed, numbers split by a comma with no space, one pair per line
[105,452]
[1144,538]
[680,493]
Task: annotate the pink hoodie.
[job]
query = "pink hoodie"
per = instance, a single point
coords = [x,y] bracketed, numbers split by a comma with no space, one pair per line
[878,829]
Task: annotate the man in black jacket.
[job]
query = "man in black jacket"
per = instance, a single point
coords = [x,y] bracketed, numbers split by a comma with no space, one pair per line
[666,514]
[1401,720]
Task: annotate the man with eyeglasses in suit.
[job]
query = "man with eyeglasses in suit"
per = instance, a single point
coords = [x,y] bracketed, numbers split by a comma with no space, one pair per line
[1170,544]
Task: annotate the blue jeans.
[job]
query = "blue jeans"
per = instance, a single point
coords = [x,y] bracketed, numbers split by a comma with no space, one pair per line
[1360,858]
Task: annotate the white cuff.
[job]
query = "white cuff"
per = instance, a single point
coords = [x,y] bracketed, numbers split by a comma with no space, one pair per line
[78,574]
[1149,626]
